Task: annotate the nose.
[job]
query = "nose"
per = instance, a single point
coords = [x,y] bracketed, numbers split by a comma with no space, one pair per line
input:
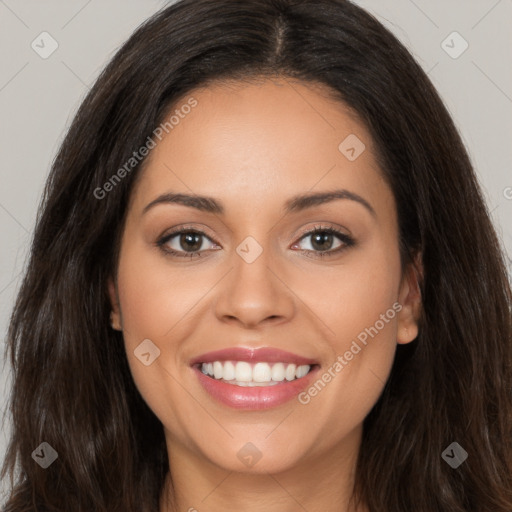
[255,293]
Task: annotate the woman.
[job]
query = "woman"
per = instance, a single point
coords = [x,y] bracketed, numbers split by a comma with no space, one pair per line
[263,276]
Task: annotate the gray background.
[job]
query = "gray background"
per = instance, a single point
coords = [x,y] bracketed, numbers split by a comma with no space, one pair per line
[38,98]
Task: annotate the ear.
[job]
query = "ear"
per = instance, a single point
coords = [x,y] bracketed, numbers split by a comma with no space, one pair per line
[115,316]
[410,299]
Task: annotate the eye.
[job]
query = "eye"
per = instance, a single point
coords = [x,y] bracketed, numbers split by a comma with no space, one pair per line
[323,239]
[187,242]
[184,242]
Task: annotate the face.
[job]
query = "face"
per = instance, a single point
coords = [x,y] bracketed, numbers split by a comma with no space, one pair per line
[310,289]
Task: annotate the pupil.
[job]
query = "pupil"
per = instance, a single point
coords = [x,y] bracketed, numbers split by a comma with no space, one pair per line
[321,238]
[192,238]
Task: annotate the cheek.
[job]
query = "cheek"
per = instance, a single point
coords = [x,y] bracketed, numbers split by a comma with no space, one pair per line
[161,303]
[359,305]
[151,310]
[155,296]
[355,295]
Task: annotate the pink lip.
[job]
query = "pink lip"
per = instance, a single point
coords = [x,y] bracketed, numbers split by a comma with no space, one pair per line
[263,354]
[255,398]
[258,397]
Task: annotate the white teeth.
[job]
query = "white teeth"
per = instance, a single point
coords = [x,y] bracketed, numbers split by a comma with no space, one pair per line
[229,371]
[301,371]
[278,372]
[243,373]
[290,372]
[261,373]
[252,384]
[217,370]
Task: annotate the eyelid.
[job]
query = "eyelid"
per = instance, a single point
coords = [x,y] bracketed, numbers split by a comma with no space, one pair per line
[323,225]
[202,230]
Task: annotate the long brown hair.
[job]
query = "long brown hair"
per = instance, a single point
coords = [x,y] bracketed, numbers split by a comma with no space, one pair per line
[72,387]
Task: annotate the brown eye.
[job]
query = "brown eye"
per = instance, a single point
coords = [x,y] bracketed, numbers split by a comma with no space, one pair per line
[185,242]
[323,241]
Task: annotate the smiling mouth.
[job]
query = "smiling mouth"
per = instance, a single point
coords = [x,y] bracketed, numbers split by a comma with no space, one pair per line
[254,374]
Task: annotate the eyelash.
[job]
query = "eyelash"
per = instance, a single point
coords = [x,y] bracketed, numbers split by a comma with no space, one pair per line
[347,240]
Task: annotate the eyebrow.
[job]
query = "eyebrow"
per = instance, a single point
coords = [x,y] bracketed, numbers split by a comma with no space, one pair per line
[295,204]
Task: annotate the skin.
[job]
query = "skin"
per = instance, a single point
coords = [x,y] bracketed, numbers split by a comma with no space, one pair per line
[252,146]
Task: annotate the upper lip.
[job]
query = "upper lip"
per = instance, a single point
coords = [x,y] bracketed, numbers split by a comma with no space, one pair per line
[261,354]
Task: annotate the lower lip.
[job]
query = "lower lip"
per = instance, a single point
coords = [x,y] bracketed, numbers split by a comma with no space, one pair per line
[257,397]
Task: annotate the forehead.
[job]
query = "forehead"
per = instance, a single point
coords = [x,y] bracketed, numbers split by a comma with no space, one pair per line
[260,141]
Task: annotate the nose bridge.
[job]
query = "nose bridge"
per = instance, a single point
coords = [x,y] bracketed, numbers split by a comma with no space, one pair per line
[253,292]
